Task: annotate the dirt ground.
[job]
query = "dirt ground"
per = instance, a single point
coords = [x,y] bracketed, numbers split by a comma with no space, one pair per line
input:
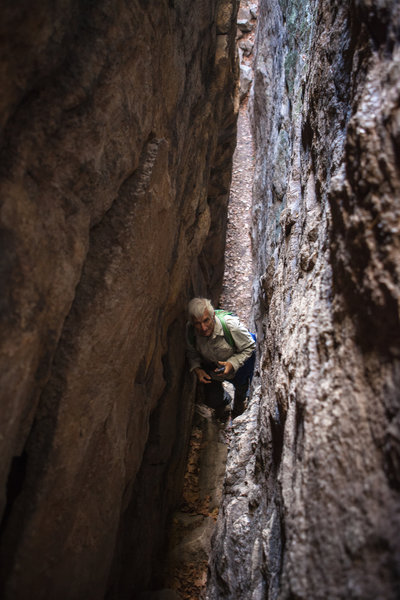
[238,277]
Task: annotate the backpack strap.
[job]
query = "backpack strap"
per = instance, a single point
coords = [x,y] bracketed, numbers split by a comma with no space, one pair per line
[227,334]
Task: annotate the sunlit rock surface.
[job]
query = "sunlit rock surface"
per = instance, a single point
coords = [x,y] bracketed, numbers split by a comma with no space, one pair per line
[118,124]
[311,507]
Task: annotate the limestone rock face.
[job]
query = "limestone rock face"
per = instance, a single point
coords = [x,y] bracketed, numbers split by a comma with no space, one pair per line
[311,507]
[118,124]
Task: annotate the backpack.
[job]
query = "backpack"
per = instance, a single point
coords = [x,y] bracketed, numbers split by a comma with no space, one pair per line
[227,334]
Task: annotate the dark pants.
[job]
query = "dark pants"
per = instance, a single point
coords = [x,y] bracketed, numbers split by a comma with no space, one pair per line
[215,396]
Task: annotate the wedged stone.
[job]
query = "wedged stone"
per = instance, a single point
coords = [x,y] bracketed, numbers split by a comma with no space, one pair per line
[253,7]
[243,20]
[246,78]
[246,46]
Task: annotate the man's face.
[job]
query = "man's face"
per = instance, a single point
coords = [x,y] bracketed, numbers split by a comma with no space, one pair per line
[205,325]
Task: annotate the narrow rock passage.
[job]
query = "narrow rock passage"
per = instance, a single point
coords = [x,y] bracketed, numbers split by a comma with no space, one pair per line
[238,276]
[194,523]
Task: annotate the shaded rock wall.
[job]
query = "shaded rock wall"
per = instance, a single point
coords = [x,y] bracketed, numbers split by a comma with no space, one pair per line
[311,507]
[117,130]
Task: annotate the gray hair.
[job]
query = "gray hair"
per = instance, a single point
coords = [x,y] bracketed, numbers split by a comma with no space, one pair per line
[197,306]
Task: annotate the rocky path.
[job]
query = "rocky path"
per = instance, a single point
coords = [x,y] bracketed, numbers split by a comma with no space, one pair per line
[238,277]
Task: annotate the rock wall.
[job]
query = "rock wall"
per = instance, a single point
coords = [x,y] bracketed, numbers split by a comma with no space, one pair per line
[118,123]
[311,507]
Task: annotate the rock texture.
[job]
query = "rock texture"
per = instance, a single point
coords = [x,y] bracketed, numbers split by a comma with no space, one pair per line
[117,131]
[311,507]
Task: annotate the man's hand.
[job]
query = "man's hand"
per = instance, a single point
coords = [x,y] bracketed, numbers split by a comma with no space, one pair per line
[228,368]
[202,376]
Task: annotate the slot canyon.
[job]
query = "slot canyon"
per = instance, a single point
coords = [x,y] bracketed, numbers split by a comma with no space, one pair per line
[128,128]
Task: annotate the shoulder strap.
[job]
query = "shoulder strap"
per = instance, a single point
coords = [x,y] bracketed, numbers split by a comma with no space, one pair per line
[227,334]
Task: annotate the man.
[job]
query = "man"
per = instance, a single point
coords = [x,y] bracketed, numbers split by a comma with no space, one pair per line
[218,349]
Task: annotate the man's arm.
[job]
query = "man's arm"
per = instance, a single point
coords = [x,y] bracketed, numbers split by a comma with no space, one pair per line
[194,357]
[202,375]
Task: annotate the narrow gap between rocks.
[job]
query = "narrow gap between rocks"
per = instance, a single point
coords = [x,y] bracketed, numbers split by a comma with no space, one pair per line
[194,522]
